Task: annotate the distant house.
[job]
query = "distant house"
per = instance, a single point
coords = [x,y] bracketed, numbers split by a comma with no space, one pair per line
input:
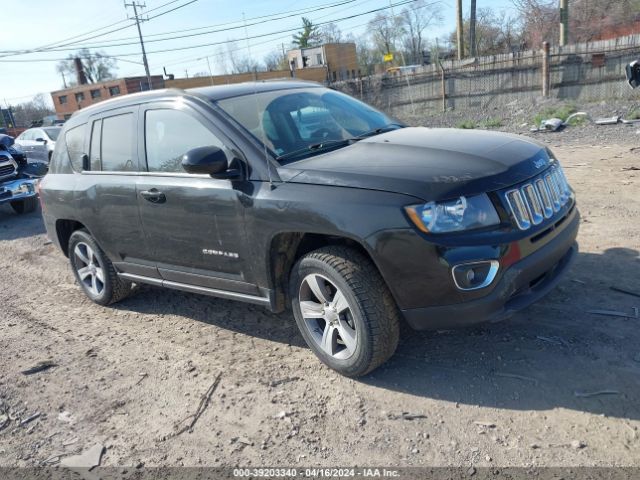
[337,60]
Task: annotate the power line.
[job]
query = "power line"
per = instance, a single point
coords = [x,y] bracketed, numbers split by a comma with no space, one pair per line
[290,13]
[189,47]
[119,56]
[227,29]
[58,44]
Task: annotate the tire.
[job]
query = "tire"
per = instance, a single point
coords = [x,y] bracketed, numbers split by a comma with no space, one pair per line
[94,272]
[356,329]
[26,205]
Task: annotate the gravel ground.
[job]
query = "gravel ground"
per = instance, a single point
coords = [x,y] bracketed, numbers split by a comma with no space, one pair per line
[553,386]
[518,118]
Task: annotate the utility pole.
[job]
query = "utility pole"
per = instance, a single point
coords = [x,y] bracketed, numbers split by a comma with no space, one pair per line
[460,32]
[564,22]
[472,29]
[210,72]
[144,54]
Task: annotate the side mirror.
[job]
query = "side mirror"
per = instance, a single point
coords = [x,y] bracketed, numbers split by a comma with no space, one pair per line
[633,74]
[41,140]
[210,161]
[86,164]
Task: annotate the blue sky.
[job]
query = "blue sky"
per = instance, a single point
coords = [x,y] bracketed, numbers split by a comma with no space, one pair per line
[36,23]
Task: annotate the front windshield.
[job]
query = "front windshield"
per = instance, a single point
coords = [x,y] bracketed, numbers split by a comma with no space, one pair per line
[53,132]
[289,122]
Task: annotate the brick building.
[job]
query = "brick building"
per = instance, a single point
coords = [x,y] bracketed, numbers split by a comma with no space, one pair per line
[72,99]
[337,60]
[331,62]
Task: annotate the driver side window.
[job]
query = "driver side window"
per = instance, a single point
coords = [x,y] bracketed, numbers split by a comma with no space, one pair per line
[169,134]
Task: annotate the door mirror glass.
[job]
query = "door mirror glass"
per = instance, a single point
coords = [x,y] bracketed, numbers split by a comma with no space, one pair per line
[633,74]
[208,160]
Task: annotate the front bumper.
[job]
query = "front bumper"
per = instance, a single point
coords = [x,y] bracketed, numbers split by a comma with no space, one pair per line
[521,284]
[18,189]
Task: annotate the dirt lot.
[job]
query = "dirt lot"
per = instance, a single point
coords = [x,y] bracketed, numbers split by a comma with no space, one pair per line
[509,394]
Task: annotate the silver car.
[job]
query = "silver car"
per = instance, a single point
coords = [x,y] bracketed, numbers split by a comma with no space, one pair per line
[38,143]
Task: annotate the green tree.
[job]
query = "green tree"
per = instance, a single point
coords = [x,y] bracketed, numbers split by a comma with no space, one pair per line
[308,36]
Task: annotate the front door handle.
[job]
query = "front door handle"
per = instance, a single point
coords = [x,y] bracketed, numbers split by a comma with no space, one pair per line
[154,195]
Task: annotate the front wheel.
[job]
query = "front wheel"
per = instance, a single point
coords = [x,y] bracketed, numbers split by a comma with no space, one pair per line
[344,310]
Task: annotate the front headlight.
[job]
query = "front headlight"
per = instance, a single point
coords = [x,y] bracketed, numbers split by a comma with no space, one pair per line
[463,213]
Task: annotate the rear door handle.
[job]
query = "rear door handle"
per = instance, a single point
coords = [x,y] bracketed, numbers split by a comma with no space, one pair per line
[153,195]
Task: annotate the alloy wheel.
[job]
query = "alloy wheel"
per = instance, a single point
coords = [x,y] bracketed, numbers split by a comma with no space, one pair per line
[88,267]
[327,316]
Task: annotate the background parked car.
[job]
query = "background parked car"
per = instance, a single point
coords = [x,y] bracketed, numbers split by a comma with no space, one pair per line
[38,143]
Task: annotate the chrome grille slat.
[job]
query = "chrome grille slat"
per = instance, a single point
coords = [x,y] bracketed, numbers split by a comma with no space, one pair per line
[555,195]
[6,170]
[545,196]
[534,201]
[519,209]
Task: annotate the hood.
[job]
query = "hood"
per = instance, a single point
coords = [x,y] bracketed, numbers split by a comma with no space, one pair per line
[430,164]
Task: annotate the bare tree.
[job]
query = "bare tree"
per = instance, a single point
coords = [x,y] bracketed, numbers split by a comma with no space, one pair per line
[275,60]
[367,56]
[495,33]
[36,109]
[331,33]
[385,30]
[97,66]
[239,62]
[540,21]
[415,21]
[589,19]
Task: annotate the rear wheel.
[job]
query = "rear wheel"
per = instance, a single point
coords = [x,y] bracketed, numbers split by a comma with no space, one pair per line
[344,310]
[94,271]
[26,205]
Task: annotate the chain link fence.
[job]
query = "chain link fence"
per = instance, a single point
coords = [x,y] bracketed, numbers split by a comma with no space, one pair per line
[581,73]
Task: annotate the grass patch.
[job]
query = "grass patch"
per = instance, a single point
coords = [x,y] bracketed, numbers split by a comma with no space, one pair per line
[562,112]
[467,125]
[634,114]
[492,123]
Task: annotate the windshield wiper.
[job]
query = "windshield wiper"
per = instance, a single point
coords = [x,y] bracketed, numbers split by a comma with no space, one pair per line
[322,146]
[386,128]
[317,147]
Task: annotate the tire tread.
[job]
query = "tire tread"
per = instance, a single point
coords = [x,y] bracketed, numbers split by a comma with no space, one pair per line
[378,306]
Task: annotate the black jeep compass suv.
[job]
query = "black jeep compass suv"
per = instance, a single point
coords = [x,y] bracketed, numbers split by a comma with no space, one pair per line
[288,194]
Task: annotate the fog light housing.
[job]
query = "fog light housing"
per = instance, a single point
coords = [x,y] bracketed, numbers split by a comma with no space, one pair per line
[475,275]
[26,187]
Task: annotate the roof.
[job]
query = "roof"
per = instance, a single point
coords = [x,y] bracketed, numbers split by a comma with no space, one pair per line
[219,92]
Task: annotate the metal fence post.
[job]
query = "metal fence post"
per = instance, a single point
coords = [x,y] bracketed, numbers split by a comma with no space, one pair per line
[546,74]
[444,87]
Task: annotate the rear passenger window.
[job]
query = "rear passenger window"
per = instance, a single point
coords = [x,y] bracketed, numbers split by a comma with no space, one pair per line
[75,146]
[169,134]
[60,158]
[117,143]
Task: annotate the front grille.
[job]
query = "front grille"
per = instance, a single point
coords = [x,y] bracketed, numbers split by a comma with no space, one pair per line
[7,169]
[538,199]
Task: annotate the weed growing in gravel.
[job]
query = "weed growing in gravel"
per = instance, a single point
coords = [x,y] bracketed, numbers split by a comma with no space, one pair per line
[634,114]
[467,125]
[562,112]
[492,123]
